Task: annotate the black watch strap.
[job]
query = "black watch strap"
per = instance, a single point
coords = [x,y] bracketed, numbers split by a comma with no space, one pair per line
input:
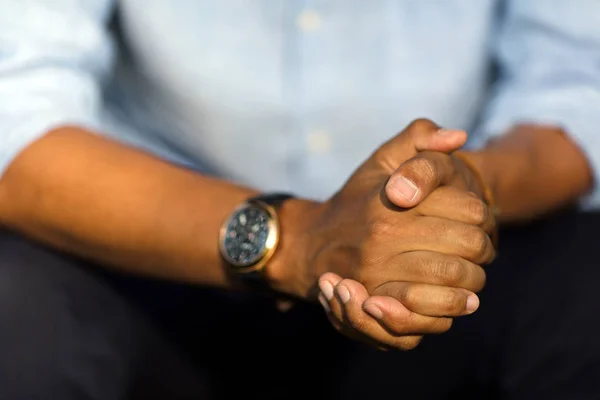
[274,200]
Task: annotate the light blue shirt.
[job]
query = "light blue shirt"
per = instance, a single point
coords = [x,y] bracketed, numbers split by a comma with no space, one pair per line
[293,95]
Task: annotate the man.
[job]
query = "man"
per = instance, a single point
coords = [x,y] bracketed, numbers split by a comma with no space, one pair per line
[287,98]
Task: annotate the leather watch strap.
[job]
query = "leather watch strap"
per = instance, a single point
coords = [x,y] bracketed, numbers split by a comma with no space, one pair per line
[255,280]
[275,200]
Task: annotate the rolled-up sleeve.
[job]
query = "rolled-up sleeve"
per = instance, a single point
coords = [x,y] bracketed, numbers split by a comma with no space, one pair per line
[53,58]
[548,53]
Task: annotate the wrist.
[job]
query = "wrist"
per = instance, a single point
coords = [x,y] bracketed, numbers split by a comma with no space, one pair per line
[480,164]
[485,179]
[289,271]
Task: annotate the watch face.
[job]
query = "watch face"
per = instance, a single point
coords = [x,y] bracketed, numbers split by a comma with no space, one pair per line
[246,236]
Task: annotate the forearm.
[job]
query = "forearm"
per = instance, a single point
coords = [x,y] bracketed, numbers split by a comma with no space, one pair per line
[533,170]
[118,206]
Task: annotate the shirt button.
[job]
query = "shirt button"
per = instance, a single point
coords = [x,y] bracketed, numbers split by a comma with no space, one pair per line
[309,21]
[318,141]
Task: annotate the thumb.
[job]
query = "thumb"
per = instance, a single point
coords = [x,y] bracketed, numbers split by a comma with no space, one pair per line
[420,135]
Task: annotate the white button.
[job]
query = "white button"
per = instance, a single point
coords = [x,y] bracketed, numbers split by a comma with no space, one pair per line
[309,21]
[318,141]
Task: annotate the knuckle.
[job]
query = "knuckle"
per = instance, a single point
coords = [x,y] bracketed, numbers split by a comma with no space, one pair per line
[355,320]
[382,157]
[400,324]
[476,241]
[443,324]
[424,168]
[453,272]
[406,343]
[478,211]
[451,301]
[420,124]
[408,295]
[481,281]
[358,324]
[448,271]
[379,228]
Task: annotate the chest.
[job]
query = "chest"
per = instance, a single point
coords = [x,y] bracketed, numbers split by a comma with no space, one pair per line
[305,55]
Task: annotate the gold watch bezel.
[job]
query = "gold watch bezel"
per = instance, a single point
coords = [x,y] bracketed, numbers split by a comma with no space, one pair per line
[270,244]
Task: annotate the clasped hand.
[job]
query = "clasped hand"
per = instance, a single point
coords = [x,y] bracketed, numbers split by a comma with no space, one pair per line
[402,243]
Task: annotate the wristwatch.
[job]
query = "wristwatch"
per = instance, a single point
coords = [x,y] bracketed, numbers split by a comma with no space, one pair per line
[249,238]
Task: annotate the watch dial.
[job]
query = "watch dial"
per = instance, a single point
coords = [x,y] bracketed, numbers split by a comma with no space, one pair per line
[246,236]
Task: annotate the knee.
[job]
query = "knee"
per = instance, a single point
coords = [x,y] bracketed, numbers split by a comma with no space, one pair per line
[61,333]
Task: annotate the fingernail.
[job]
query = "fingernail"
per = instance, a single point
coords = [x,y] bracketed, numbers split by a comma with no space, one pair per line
[324,302]
[327,289]
[405,188]
[472,303]
[374,311]
[344,293]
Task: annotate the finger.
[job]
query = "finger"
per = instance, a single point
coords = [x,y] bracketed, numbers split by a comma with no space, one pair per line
[327,283]
[353,296]
[456,204]
[430,300]
[419,135]
[405,338]
[409,326]
[416,178]
[394,317]
[336,303]
[444,236]
[337,323]
[336,319]
[354,335]
[430,268]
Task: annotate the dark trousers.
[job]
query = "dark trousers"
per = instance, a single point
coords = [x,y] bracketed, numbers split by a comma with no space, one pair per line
[70,330]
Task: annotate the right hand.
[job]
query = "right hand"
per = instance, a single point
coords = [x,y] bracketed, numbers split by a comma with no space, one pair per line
[358,234]
[397,313]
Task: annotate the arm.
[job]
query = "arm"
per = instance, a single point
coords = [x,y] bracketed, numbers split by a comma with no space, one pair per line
[533,170]
[542,124]
[65,185]
[76,190]
[540,145]
[99,199]
[123,208]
